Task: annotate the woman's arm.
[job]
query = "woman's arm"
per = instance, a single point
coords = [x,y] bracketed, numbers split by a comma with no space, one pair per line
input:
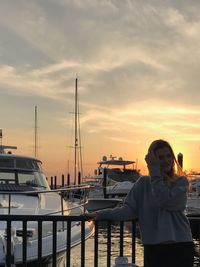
[127,212]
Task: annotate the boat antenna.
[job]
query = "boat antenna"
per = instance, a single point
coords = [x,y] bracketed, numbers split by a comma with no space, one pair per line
[35,136]
[136,165]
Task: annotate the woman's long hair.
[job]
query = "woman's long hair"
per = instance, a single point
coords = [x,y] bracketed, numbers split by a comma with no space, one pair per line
[176,168]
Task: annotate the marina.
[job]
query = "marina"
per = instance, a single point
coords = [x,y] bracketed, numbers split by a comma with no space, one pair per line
[134,131]
[48,224]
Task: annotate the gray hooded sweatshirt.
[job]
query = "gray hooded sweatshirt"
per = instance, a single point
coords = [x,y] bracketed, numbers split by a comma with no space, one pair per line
[158,208]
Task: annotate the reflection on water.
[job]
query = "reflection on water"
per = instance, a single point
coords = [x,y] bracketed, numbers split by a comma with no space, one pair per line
[102,254]
[102,251]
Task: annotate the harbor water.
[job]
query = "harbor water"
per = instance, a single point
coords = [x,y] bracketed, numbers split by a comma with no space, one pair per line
[102,251]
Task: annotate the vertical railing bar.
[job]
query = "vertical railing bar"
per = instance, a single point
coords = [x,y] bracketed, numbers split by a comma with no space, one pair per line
[68,254]
[96,244]
[39,243]
[54,242]
[121,239]
[8,248]
[108,243]
[82,243]
[9,202]
[61,199]
[133,240]
[62,209]
[199,242]
[24,233]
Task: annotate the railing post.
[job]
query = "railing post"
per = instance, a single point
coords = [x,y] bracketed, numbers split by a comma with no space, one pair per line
[54,243]
[40,243]
[199,242]
[68,254]
[133,240]
[121,238]
[82,243]
[9,201]
[24,238]
[96,244]
[9,245]
[108,243]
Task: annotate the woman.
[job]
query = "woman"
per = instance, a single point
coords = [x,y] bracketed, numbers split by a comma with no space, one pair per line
[158,202]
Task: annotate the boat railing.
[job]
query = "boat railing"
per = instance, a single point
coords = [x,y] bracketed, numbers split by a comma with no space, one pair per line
[113,241]
[61,191]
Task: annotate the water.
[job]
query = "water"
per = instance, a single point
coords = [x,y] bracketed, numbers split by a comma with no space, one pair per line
[102,256]
[102,259]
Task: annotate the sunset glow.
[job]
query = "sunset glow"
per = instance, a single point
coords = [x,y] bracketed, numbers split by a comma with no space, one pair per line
[138,70]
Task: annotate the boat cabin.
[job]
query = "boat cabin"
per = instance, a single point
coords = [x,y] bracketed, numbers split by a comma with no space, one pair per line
[19,172]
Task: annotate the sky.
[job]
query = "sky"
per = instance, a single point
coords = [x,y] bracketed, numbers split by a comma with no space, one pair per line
[137,64]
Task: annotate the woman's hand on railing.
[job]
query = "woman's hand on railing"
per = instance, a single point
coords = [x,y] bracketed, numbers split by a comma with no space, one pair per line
[89,216]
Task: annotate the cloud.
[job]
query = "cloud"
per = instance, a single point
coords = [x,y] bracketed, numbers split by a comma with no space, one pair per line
[123,140]
[125,52]
[137,63]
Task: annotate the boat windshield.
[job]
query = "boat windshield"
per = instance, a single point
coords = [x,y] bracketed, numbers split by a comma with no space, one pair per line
[20,163]
[29,178]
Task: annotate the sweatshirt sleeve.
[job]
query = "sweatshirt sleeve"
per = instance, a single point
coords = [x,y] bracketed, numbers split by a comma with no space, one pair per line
[127,212]
[173,198]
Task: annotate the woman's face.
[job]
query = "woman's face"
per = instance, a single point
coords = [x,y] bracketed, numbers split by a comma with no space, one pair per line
[165,158]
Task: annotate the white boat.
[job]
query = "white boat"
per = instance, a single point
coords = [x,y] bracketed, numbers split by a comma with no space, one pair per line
[120,189]
[193,205]
[24,190]
[115,180]
[117,169]
[193,198]
[116,175]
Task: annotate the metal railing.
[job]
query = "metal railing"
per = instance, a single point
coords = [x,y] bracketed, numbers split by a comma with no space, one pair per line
[39,219]
[69,220]
[63,192]
[195,227]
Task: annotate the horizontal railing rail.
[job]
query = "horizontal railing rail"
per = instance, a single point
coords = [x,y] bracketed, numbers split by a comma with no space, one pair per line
[69,189]
[40,221]
[65,189]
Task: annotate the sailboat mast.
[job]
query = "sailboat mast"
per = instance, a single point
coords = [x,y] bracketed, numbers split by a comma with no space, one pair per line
[1,137]
[35,136]
[76,130]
